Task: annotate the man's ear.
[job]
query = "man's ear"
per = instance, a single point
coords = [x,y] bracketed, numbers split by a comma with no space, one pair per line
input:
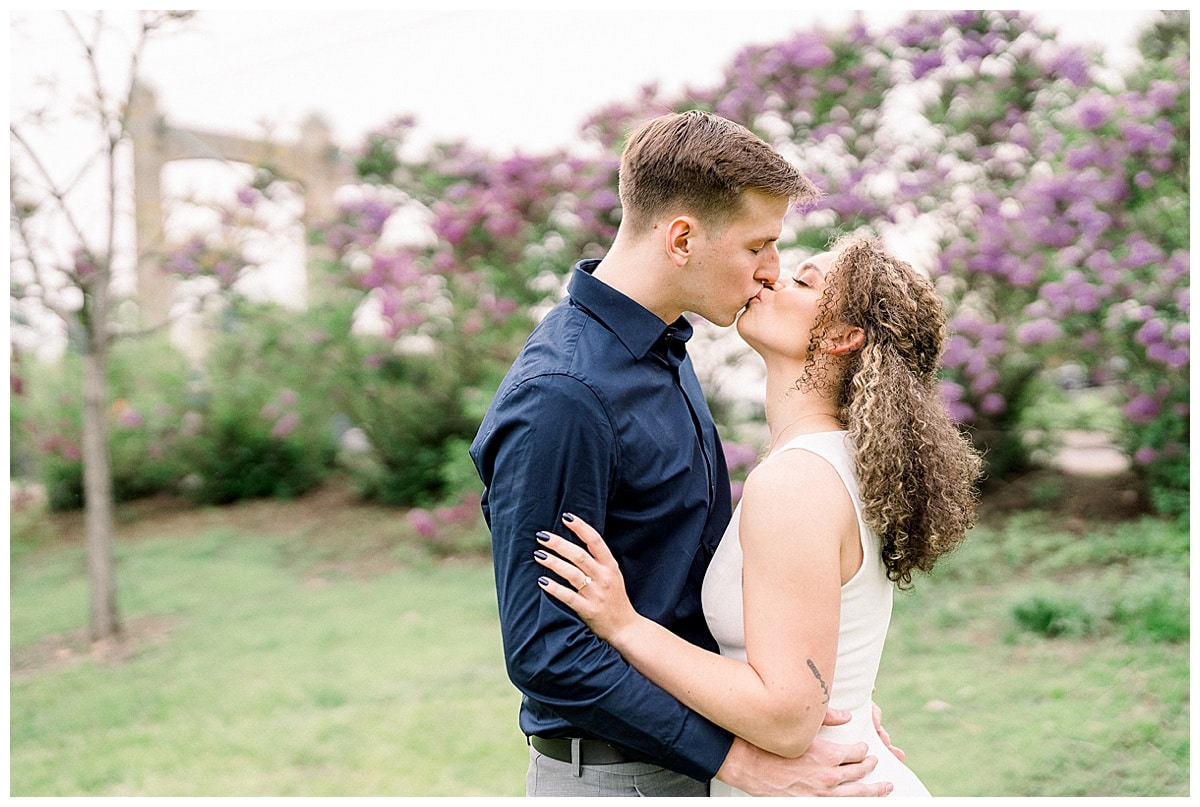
[680,234]
[846,339]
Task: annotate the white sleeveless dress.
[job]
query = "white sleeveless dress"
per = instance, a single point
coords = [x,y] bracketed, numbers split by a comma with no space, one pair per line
[865,614]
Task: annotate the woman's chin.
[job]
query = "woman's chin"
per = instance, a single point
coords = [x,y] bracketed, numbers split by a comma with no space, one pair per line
[745,331]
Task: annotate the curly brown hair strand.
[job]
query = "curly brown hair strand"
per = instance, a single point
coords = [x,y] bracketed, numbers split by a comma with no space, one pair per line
[917,471]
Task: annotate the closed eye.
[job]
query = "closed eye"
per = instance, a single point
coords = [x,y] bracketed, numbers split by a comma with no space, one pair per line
[808,271]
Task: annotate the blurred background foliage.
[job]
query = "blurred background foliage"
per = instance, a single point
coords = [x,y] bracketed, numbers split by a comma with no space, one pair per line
[1047,196]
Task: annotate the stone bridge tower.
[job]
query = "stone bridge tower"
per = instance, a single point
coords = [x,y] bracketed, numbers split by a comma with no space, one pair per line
[313,162]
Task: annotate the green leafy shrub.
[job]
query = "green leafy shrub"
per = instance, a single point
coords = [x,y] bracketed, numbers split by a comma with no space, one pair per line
[237,455]
[147,383]
[46,427]
[63,479]
[261,423]
[1138,599]
[1055,616]
[1158,611]
[409,407]
[148,386]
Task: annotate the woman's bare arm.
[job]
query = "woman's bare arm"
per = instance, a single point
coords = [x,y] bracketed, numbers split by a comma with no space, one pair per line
[796,515]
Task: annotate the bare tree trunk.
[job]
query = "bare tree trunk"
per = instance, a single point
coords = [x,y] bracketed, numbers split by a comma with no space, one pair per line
[91,273]
[97,482]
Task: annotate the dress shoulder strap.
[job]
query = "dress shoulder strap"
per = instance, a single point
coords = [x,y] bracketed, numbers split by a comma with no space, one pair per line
[835,448]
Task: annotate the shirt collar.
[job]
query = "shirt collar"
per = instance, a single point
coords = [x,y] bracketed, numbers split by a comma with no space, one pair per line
[637,328]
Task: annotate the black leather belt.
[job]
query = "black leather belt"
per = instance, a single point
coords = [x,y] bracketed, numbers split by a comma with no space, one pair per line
[591,752]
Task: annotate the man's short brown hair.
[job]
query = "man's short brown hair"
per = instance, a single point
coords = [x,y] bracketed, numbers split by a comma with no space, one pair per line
[703,163]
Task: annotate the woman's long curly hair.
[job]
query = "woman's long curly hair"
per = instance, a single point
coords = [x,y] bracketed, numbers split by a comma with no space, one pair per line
[917,472]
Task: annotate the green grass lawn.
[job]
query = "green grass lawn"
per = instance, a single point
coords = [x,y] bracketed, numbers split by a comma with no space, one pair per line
[266,680]
[985,704]
[269,662]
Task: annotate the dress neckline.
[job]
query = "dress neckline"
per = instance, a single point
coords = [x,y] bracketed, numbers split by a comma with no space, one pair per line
[799,437]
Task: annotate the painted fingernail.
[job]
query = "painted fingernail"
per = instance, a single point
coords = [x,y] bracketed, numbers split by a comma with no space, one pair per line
[542,535]
[543,581]
[567,517]
[539,554]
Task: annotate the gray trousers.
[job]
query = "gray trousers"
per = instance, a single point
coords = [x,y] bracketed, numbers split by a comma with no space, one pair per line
[550,777]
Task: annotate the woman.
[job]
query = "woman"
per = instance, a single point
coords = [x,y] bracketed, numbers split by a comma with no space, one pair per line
[865,481]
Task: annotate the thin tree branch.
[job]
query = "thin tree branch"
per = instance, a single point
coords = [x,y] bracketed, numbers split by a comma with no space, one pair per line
[40,274]
[51,186]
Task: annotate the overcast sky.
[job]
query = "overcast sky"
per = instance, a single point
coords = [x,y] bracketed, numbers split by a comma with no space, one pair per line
[502,79]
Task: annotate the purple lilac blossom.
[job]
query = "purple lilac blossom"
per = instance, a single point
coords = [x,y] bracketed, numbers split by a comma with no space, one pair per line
[286,425]
[1142,409]
[1038,332]
[421,521]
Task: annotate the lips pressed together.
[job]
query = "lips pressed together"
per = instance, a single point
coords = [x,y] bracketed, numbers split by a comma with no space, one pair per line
[757,297]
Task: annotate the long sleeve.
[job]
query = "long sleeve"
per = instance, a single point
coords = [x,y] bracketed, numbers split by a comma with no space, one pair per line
[547,447]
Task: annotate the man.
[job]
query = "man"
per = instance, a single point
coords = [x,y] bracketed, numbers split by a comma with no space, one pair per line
[602,415]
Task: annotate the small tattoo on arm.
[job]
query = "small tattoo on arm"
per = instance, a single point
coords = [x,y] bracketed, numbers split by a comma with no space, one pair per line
[820,680]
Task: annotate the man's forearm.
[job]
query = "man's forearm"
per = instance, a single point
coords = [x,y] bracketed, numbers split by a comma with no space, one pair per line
[826,769]
[611,701]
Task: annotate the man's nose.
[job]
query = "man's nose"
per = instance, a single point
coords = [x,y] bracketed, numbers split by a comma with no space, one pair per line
[768,267]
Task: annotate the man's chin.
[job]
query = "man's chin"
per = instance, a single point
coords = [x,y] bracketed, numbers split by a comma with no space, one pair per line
[742,312]
[721,322]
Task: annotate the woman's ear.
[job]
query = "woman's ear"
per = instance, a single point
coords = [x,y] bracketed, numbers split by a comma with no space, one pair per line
[845,339]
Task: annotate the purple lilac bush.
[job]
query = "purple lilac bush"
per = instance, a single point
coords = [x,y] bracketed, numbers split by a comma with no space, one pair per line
[1058,201]
[1052,192]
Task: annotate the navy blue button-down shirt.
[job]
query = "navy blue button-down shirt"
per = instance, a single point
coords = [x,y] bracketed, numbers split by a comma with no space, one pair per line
[601,415]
